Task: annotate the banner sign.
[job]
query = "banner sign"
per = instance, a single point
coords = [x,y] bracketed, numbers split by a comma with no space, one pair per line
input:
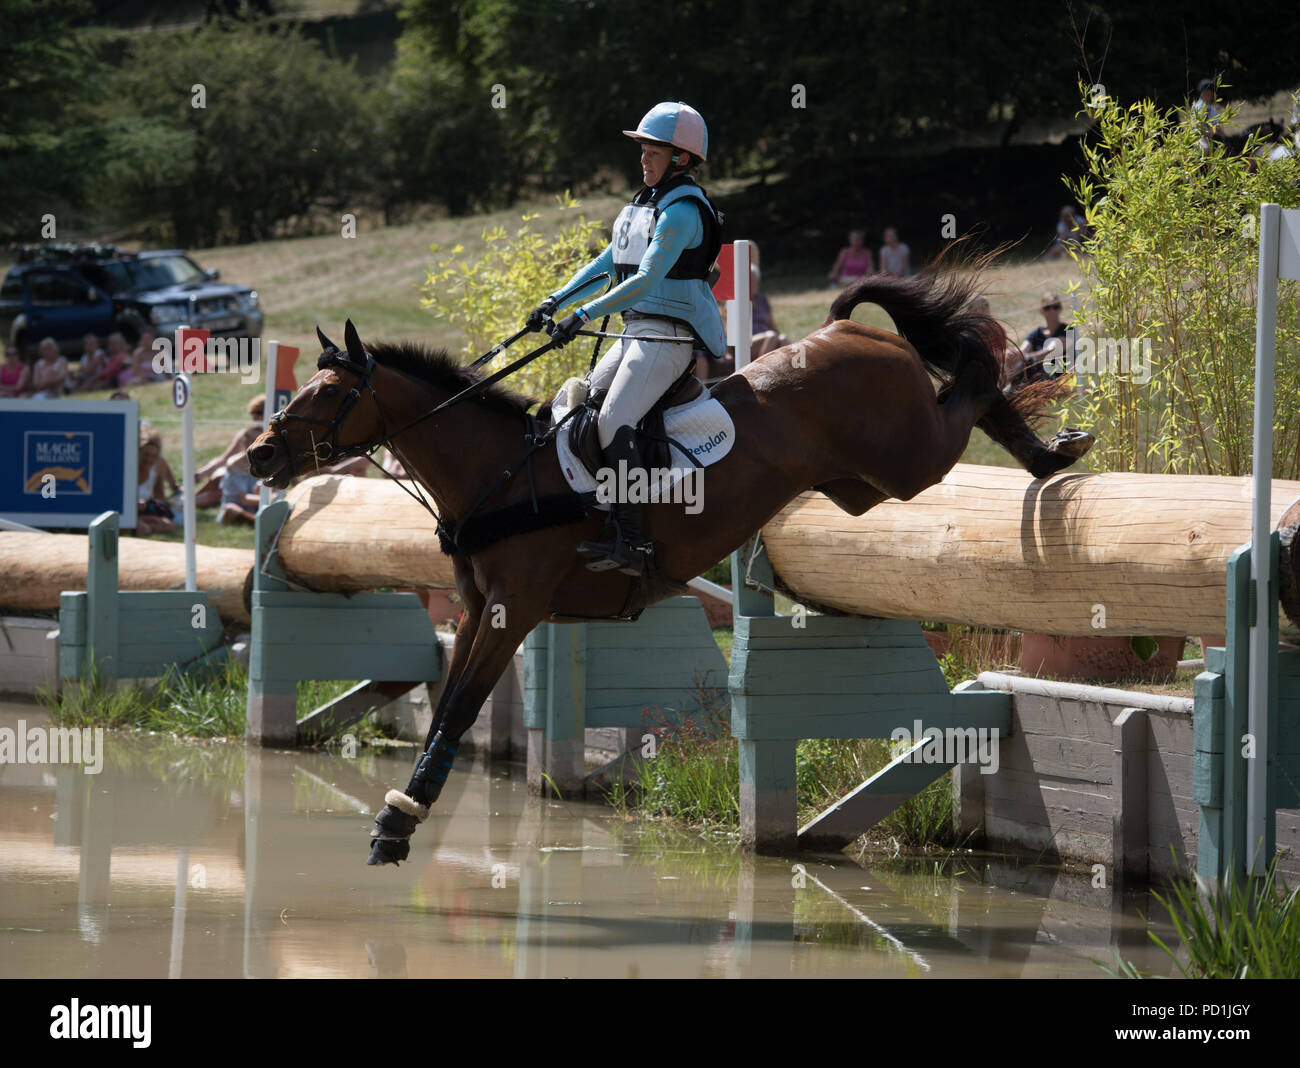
[75,461]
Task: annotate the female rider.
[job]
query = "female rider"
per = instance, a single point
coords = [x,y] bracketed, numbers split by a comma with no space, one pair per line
[664,244]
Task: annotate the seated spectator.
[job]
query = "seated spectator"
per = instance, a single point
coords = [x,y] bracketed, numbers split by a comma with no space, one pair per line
[153,513]
[88,370]
[895,257]
[211,473]
[50,375]
[764,334]
[240,494]
[15,375]
[853,262]
[139,370]
[121,394]
[115,363]
[1044,342]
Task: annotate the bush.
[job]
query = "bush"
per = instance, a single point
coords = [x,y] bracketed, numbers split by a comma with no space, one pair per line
[489,297]
[1172,259]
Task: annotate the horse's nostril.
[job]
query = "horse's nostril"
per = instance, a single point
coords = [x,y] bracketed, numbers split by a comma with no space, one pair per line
[261,453]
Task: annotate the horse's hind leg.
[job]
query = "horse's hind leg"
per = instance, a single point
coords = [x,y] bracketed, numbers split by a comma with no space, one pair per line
[465,632]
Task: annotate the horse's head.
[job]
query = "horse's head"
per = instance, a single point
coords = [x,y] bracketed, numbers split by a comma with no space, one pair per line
[335,415]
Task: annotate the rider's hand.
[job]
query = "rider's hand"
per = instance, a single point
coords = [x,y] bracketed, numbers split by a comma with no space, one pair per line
[538,316]
[567,328]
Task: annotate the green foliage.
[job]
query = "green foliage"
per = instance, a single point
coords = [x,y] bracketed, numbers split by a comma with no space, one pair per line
[1173,257]
[695,773]
[488,297]
[284,132]
[1239,930]
[827,769]
[208,703]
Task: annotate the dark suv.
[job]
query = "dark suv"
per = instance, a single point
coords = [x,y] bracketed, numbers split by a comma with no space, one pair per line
[68,291]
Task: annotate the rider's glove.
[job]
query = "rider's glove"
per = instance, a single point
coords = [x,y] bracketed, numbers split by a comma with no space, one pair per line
[538,316]
[567,328]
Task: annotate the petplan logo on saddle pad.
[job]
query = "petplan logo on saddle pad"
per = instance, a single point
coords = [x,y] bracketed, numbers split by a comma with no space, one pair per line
[67,456]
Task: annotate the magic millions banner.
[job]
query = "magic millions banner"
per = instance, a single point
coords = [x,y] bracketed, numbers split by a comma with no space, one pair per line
[64,462]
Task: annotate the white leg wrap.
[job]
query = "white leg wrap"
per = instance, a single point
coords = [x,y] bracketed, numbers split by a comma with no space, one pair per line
[409,805]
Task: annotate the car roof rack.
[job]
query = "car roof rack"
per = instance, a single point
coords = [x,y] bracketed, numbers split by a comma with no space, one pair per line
[67,252]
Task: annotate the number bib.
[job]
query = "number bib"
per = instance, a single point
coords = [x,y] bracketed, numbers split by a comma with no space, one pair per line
[633,230]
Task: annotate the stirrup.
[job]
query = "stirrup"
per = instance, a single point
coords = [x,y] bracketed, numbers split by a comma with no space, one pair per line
[634,560]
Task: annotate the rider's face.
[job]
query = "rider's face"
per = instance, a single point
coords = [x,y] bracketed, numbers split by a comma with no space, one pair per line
[655,160]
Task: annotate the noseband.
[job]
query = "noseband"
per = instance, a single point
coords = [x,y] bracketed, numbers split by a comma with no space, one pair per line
[334,357]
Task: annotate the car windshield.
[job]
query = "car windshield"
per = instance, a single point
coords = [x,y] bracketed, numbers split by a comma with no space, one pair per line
[158,272]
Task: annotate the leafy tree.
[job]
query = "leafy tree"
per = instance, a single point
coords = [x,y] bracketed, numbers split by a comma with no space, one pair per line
[236,133]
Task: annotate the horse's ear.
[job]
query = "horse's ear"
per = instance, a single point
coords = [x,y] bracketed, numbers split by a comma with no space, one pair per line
[353,342]
[325,343]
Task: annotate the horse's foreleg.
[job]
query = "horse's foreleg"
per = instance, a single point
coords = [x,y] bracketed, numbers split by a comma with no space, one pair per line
[488,657]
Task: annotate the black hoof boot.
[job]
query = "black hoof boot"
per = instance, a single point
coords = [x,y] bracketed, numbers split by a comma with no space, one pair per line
[389,841]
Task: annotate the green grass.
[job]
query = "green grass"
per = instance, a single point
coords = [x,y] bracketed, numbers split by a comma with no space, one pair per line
[1239,930]
[207,704]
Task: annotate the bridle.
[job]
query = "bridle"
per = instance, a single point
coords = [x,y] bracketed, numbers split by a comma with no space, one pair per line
[328,449]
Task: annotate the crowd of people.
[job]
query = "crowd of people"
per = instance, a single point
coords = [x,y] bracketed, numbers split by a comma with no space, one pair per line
[50,376]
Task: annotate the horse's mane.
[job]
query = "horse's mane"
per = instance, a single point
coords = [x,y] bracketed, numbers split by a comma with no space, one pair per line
[440,369]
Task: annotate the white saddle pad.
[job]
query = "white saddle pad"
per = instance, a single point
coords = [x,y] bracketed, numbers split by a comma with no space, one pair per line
[702,427]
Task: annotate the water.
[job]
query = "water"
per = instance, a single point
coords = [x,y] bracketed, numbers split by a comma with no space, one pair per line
[211,860]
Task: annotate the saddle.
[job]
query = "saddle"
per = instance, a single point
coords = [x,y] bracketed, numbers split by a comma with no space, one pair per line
[651,438]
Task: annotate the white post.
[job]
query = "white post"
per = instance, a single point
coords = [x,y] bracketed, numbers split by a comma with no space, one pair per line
[187,469]
[268,407]
[742,326]
[1279,256]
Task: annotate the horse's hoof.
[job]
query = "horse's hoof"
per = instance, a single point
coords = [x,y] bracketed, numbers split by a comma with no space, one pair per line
[388,851]
[1071,442]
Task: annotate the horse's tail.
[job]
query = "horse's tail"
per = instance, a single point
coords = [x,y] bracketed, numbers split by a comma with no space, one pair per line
[932,311]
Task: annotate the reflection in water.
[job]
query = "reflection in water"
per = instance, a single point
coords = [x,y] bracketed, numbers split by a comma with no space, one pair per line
[211,860]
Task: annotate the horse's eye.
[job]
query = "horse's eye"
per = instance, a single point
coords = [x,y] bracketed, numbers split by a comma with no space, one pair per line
[329,391]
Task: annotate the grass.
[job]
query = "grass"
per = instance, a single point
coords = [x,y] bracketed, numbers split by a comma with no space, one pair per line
[1241,929]
[207,704]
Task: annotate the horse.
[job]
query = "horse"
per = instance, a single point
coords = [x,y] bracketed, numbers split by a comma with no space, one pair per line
[850,410]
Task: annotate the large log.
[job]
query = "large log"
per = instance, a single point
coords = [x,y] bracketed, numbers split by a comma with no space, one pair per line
[1146,554]
[349,534]
[38,567]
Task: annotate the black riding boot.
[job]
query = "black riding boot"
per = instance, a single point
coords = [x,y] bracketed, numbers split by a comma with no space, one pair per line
[627,549]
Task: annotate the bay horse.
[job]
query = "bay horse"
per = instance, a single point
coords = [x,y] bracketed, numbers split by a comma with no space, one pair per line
[850,410]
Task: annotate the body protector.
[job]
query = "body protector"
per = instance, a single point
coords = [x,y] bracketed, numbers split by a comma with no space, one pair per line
[683,294]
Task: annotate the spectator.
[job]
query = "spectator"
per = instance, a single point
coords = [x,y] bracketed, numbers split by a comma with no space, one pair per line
[1070,233]
[209,493]
[895,257]
[139,370]
[153,513]
[1206,109]
[116,362]
[15,375]
[1044,342]
[764,334]
[92,363]
[240,496]
[50,375]
[853,262]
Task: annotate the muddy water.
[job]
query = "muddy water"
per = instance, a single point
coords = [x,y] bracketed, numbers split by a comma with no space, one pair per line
[212,860]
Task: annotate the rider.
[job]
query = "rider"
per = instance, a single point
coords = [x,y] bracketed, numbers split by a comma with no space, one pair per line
[664,244]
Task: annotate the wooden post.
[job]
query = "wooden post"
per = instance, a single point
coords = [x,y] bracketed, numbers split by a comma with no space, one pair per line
[1129,817]
[768,803]
[272,698]
[101,591]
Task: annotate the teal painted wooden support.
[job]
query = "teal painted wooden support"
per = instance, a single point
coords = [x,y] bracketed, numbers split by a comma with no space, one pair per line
[751,559]
[385,639]
[109,635]
[1220,728]
[813,676]
[609,674]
